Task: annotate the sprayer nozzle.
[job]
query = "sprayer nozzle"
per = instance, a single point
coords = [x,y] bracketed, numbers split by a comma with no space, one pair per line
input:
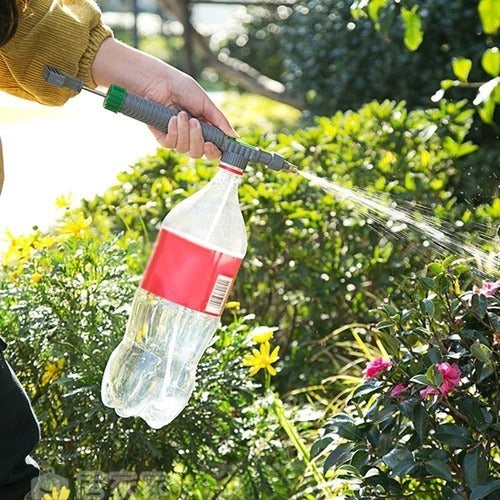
[292,168]
[55,77]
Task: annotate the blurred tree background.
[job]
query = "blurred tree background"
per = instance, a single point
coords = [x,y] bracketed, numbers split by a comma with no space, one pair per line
[322,56]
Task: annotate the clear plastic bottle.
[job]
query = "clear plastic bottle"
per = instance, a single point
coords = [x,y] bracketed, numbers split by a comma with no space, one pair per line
[177,307]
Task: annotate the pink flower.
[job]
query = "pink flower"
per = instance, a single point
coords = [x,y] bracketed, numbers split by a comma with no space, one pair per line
[376,367]
[451,377]
[488,288]
[398,390]
[428,391]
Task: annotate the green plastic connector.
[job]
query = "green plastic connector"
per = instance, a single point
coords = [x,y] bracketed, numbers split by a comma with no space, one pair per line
[115,98]
[239,141]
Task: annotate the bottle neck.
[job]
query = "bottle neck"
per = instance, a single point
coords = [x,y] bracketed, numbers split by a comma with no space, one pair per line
[228,175]
[229,168]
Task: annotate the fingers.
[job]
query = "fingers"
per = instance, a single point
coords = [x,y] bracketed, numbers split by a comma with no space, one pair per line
[171,137]
[196,139]
[185,136]
[211,151]
[214,115]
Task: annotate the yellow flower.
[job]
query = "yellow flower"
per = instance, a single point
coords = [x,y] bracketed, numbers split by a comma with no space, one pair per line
[52,371]
[15,274]
[36,277]
[262,334]
[261,359]
[62,494]
[234,304]
[20,247]
[44,242]
[76,225]
[63,201]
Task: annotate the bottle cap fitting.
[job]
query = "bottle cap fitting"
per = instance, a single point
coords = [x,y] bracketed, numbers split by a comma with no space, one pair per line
[115,98]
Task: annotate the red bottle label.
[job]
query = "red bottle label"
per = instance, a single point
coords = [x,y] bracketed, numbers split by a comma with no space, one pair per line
[189,274]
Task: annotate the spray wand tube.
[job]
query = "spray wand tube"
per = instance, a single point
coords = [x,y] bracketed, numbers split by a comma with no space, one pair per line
[118,100]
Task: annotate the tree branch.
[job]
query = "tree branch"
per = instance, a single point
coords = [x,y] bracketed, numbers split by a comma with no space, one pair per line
[233,69]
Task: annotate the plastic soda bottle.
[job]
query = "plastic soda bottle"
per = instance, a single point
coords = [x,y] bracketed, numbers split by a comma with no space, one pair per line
[177,307]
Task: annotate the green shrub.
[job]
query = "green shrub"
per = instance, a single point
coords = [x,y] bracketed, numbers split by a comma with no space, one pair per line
[64,302]
[425,421]
[315,266]
[338,62]
[314,262]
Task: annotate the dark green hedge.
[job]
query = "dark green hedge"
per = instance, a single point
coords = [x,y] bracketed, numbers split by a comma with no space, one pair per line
[314,262]
[321,52]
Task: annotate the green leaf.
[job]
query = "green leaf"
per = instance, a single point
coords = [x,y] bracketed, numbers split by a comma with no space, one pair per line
[453,435]
[420,379]
[457,149]
[487,111]
[489,12]
[420,419]
[374,8]
[479,304]
[434,376]
[400,461]
[427,283]
[475,468]
[340,455]
[367,389]
[474,412]
[466,148]
[320,445]
[481,352]
[435,268]
[491,61]
[360,458]
[461,67]
[427,307]
[485,489]
[439,469]
[410,184]
[483,371]
[349,431]
[413,28]
[447,84]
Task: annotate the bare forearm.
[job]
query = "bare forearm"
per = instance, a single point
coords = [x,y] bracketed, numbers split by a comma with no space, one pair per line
[147,76]
[120,64]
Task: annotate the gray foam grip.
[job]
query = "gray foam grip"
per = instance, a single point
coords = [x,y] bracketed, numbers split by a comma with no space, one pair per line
[158,116]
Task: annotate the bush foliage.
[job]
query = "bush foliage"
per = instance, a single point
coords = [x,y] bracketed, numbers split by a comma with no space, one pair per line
[324,262]
[347,61]
[65,303]
[317,267]
[426,418]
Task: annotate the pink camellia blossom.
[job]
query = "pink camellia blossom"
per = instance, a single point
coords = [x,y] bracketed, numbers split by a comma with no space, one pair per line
[398,391]
[451,377]
[428,391]
[376,367]
[488,288]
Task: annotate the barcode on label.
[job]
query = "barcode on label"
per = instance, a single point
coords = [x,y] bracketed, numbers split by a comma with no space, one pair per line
[219,294]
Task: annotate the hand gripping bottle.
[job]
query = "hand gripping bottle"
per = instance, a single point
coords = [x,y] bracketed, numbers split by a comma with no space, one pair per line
[178,304]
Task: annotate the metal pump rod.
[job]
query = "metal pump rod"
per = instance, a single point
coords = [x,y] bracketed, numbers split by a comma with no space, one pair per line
[118,100]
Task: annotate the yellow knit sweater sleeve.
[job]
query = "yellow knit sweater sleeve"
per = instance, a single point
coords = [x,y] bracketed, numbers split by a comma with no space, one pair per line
[62,33]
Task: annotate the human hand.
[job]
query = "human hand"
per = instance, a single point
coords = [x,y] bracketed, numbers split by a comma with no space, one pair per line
[164,84]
